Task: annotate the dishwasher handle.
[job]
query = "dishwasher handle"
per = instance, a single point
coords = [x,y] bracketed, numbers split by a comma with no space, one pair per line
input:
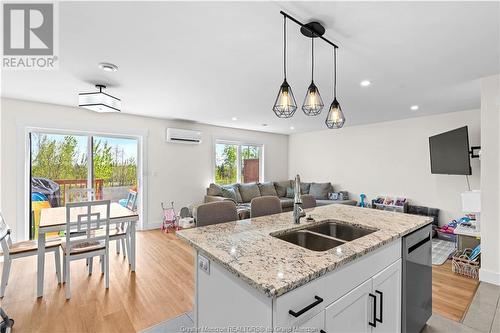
[419,244]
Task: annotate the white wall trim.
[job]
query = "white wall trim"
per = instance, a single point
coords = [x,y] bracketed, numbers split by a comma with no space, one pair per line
[489,276]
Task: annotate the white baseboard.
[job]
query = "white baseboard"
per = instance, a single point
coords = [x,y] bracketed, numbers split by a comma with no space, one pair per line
[489,276]
[152,225]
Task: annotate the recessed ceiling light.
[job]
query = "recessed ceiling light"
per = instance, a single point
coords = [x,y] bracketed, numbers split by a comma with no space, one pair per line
[234,119]
[108,67]
[292,128]
[264,125]
[414,107]
[365,83]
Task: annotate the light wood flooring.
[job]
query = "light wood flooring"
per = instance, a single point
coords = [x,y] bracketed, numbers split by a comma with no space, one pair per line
[162,288]
[451,293]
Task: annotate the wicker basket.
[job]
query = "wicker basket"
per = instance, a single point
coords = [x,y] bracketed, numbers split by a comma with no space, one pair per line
[463,266]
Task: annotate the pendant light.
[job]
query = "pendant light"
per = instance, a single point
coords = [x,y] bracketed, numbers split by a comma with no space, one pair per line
[285,105]
[335,118]
[313,103]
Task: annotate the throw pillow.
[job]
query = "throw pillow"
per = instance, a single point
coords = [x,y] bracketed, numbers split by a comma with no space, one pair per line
[249,191]
[281,187]
[214,190]
[304,188]
[320,190]
[230,193]
[290,193]
[267,189]
[235,187]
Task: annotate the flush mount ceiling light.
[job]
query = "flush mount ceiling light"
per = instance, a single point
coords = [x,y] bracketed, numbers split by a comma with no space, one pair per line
[99,101]
[108,67]
[365,83]
[285,105]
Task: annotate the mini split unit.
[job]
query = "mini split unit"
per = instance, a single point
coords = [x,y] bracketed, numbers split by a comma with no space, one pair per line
[99,101]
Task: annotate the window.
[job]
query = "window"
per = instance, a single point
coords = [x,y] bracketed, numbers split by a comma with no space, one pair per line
[237,162]
[64,161]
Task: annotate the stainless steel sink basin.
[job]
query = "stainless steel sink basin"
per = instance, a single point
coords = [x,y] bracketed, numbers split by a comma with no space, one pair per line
[325,236]
[310,240]
[345,232]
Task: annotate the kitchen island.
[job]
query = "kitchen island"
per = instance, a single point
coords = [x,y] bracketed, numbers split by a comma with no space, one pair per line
[251,277]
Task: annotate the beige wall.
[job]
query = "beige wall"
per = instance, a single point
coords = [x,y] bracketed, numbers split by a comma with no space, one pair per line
[389,158]
[172,172]
[490,180]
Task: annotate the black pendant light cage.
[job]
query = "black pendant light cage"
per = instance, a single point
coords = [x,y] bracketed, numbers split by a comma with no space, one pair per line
[313,103]
[285,104]
[335,118]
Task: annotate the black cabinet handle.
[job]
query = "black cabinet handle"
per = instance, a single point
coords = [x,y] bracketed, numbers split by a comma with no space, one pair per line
[374,323]
[381,319]
[307,308]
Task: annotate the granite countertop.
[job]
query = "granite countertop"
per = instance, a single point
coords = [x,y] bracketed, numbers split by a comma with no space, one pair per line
[273,266]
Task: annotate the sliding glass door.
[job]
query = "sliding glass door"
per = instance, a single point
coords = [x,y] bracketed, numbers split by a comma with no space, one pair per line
[60,162]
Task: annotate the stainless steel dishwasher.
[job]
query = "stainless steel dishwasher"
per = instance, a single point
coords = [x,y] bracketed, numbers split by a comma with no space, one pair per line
[417,280]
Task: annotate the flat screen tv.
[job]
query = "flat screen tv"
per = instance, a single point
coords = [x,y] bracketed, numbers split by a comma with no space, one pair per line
[450,152]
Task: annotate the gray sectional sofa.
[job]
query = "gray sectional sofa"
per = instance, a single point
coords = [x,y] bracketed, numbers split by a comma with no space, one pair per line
[243,193]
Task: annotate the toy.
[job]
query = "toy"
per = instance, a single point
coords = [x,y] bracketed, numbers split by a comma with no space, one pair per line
[169,218]
[362,202]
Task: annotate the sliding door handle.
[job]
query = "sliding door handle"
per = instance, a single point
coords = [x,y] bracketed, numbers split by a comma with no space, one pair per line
[381,319]
[374,322]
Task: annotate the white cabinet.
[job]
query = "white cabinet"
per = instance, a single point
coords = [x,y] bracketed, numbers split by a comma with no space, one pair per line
[372,307]
[352,312]
[387,288]
[315,324]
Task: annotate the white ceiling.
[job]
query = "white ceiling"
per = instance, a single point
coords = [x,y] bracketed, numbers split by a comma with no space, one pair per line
[211,61]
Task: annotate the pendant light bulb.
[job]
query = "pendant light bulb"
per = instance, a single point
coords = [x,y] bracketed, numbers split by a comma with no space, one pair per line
[313,103]
[285,104]
[335,118]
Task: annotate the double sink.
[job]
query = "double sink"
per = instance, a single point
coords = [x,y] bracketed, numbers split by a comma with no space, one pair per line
[325,236]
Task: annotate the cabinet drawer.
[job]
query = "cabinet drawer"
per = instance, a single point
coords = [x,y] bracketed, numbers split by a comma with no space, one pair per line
[305,302]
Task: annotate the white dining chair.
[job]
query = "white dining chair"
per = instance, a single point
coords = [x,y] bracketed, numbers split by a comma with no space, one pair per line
[11,251]
[120,234]
[92,219]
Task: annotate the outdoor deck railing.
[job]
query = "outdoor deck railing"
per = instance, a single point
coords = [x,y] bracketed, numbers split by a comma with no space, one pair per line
[66,184]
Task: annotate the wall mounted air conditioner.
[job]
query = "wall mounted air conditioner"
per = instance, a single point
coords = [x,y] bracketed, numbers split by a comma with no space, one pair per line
[177,135]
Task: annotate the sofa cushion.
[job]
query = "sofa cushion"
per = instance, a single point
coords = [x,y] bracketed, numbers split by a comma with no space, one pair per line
[229,192]
[320,190]
[249,191]
[290,193]
[267,189]
[237,191]
[281,187]
[214,190]
[286,202]
[304,188]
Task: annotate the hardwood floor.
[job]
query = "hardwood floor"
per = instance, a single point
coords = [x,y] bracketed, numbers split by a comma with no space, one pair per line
[451,293]
[161,288]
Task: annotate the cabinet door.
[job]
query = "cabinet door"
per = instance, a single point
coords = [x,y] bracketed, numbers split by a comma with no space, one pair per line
[315,324]
[387,288]
[352,312]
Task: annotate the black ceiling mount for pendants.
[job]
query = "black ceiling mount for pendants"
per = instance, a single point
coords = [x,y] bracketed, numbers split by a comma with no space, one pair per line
[312,30]
[285,105]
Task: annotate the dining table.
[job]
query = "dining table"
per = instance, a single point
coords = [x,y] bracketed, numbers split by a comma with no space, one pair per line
[54,220]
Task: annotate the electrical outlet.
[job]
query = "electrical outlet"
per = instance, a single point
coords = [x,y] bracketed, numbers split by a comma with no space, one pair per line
[204,264]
